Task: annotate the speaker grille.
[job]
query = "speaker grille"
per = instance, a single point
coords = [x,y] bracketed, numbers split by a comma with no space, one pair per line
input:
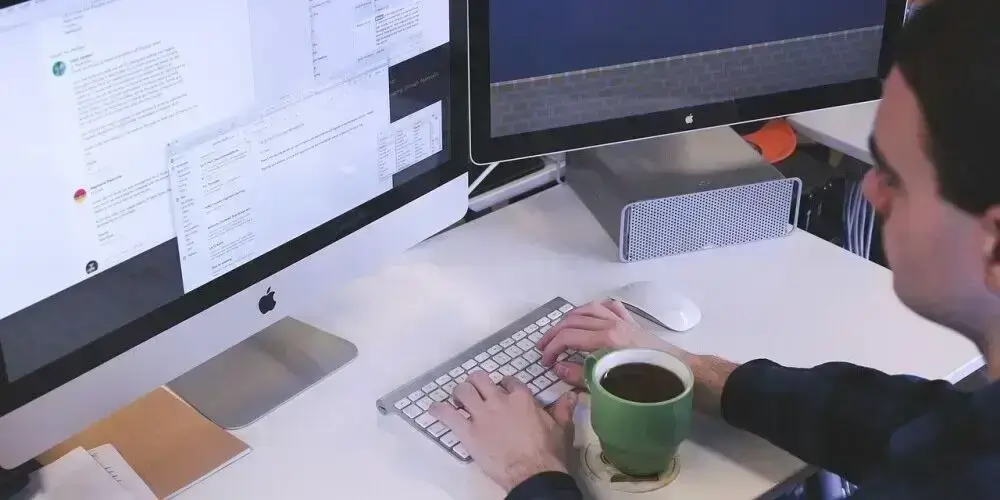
[723,217]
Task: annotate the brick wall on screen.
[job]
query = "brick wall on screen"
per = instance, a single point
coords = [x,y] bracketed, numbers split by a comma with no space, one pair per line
[678,82]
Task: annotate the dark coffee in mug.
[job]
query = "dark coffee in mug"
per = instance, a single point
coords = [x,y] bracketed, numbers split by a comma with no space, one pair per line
[642,383]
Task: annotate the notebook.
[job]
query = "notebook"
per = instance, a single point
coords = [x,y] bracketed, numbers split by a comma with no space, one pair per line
[169,444]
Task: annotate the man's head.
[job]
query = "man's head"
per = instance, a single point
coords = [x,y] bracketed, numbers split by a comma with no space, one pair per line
[937,140]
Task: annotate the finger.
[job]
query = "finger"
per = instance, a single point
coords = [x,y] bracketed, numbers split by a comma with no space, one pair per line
[487,389]
[588,323]
[514,386]
[468,397]
[562,410]
[572,338]
[571,373]
[450,417]
[619,309]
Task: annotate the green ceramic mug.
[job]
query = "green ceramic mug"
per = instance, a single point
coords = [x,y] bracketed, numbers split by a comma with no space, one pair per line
[640,439]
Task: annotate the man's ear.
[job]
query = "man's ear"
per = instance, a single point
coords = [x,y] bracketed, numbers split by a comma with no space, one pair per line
[991,248]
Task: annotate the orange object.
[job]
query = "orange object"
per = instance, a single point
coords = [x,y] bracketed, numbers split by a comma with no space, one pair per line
[775,141]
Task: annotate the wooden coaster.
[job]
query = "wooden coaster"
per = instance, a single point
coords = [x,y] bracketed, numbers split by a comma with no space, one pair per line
[601,471]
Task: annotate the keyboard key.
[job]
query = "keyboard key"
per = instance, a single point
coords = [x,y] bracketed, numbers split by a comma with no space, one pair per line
[496,377]
[425,420]
[425,403]
[519,335]
[402,403]
[525,345]
[542,322]
[412,411]
[443,379]
[449,439]
[501,359]
[474,370]
[461,378]
[524,377]
[507,343]
[532,356]
[468,365]
[437,430]
[544,329]
[566,308]
[439,395]
[534,389]
[464,414]
[531,329]
[554,315]
[461,451]
[450,387]
[542,382]
[508,371]
[429,387]
[456,371]
[513,351]
[483,356]
[536,370]
[551,375]
[489,365]
[535,337]
[519,363]
[493,350]
[550,395]
[562,356]
[416,396]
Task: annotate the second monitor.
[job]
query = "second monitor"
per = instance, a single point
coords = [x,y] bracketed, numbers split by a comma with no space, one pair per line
[565,75]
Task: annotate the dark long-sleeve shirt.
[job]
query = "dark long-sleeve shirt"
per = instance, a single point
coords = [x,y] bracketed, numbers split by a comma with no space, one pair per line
[898,437]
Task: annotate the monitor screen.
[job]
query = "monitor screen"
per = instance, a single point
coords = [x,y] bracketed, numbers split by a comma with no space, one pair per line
[563,63]
[149,147]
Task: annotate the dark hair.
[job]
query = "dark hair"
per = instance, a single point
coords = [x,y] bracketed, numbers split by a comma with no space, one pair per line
[949,53]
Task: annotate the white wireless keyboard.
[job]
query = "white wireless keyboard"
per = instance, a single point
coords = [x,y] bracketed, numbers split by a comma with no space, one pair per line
[508,352]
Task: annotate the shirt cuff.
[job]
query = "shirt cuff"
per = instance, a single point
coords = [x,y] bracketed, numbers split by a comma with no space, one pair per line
[746,391]
[546,486]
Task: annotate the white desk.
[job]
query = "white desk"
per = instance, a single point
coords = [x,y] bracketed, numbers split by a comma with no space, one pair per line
[845,129]
[797,300]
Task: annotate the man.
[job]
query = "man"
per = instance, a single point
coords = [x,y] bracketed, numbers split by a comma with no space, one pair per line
[937,188]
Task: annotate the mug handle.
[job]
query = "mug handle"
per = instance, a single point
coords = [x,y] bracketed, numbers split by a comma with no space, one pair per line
[588,367]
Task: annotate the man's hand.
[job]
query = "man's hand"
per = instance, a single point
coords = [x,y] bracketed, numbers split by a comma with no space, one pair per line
[608,325]
[598,325]
[509,435]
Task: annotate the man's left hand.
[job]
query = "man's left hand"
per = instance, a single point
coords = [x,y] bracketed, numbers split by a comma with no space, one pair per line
[509,435]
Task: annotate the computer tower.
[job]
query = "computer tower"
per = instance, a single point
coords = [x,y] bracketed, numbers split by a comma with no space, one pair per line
[683,193]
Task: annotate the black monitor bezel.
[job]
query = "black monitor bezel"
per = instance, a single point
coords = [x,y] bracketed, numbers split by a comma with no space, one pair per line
[21,391]
[485,149]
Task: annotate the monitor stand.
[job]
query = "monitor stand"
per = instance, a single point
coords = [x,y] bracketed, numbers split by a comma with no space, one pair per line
[254,377]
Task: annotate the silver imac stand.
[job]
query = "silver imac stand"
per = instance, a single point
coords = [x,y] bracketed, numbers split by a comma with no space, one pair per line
[254,377]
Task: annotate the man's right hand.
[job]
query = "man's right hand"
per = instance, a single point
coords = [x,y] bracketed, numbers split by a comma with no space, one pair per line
[595,326]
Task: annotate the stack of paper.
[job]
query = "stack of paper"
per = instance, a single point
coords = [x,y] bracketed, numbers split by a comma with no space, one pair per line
[101,473]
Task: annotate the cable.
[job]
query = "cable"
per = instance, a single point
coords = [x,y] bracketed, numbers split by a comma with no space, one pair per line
[871,231]
[482,177]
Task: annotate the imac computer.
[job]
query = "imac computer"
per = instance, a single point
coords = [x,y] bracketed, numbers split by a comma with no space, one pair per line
[641,97]
[564,75]
[182,176]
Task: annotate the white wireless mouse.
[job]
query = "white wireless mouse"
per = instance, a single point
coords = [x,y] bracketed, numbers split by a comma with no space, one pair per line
[660,304]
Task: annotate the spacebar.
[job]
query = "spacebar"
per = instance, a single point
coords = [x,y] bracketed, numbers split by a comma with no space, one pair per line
[550,395]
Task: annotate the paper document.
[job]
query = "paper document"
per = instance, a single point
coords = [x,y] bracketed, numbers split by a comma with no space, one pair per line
[76,476]
[116,466]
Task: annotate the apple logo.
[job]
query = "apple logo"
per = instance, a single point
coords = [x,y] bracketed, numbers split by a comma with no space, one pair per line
[689,119]
[267,302]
